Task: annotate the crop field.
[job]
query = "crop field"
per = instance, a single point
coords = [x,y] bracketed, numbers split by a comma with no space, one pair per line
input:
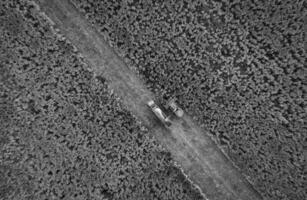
[63,133]
[237,67]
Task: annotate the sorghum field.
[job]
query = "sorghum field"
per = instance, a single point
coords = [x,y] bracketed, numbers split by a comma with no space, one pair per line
[238,67]
[63,133]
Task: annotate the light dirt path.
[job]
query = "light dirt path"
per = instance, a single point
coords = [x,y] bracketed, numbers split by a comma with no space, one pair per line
[191,147]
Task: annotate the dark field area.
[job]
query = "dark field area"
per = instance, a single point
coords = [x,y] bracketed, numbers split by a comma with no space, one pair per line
[63,133]
[238,67]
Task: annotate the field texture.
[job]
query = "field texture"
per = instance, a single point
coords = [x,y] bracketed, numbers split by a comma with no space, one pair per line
[238,67]
[63,134]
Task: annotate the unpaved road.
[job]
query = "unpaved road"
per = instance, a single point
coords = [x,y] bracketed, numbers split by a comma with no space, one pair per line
[190,146]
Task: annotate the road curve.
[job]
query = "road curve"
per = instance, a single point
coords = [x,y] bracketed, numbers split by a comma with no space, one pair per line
[191,147]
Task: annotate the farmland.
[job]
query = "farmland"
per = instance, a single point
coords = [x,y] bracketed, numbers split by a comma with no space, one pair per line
[64,134]
[238,68]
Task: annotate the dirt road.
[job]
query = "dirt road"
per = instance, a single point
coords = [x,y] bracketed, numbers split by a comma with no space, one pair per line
[190,146]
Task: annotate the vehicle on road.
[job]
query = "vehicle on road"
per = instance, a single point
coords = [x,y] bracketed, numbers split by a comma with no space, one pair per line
[159,113]
[175,108]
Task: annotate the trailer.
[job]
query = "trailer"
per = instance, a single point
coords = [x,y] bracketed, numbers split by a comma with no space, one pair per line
[159,113]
